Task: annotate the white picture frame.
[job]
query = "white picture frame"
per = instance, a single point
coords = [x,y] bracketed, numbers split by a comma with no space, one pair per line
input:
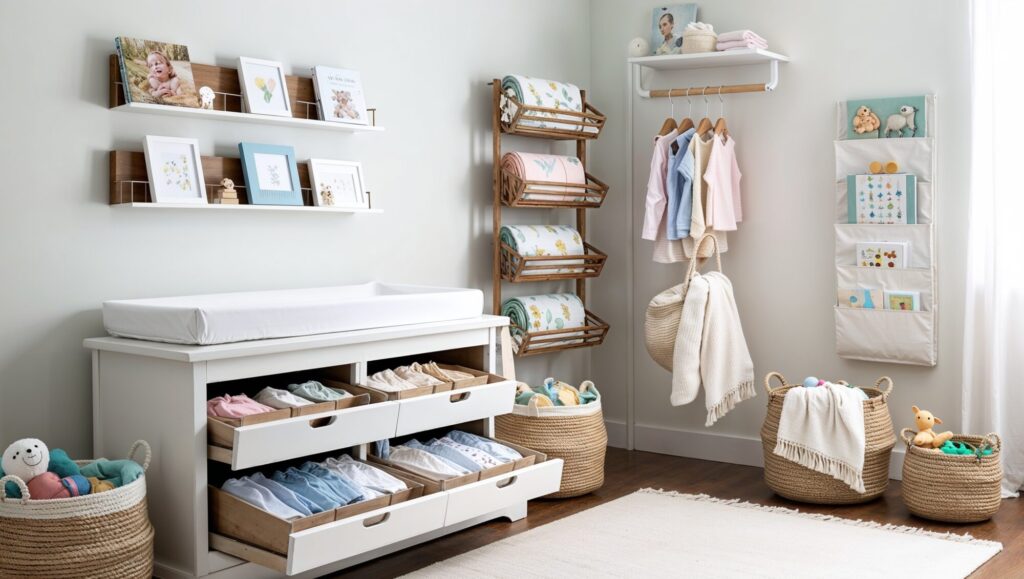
[340,97]
[338,184]
[264,87]
[175,170]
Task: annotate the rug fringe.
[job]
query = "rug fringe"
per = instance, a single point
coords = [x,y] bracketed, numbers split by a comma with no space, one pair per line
[949,536]
[819,462]
[744,391]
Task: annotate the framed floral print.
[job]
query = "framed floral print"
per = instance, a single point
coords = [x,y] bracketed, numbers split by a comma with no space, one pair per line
[338,184]
[264,87]
[175,170]
[271,174]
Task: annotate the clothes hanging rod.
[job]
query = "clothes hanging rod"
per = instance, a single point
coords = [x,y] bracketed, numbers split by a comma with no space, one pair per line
[707,90]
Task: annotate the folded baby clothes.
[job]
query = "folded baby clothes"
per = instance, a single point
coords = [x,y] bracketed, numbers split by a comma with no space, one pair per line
[285,494]
[317,392]
[408,374]
[278,398]
[498,451]
[388,381]
[309,486]
[425,464]
[259,497]
[347,491]
[447,375]
[479,457]
[448,454]
[365,475]
[739,45]
[228,406]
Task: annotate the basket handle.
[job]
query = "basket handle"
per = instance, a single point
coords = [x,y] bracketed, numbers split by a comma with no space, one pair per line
[887,391]
[149,453]
[907,434]
[997,442]
[25,496]
[768,381]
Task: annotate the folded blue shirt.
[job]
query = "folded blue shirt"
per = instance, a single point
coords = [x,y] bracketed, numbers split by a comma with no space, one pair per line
[347,491]
[498,451]
[308,486]
[447,453]
[285,494]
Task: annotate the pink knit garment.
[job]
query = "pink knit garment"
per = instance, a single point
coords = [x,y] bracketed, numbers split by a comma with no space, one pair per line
[228,406]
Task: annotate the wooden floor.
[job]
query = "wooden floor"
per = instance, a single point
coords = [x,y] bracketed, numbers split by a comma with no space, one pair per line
[627,471]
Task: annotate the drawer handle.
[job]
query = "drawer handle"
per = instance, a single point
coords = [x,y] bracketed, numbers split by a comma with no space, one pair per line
[459,397]
[507,482]
[322,422]
[378,520]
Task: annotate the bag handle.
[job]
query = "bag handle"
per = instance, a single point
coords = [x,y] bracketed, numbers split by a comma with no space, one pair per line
[768,381]
[887,391]
[21,485]
[149,453]
[907,434]
[692,270]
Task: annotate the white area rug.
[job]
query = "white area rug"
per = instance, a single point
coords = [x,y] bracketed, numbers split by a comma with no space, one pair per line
[653,533]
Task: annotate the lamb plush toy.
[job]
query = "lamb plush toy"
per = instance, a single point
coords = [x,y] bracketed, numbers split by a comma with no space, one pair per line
[28,459]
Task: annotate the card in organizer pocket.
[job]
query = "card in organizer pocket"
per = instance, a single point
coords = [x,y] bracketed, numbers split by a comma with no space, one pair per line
[914,155]
[925,202]
[919,236]
[917,279]
[891,336]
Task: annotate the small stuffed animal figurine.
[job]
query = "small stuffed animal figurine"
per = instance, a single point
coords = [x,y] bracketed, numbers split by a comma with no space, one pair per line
[865,121]
[926,437]
[28,459]
[206,96]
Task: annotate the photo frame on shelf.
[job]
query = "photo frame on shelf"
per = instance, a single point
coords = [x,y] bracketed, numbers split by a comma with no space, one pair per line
[271,174]
[264,87]
[667,25]
[339,94]
[175,170]
[156,72]
[338,184]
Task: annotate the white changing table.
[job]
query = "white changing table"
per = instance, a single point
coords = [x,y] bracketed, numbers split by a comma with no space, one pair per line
[158,392]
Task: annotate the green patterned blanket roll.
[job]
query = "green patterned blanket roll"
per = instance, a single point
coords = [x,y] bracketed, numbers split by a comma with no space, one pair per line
[545,312]
[546,240]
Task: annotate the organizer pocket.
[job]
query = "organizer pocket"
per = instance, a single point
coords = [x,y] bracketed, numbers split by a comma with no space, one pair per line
[914,155]
[925,202]
[890,336]
[918,236]
[918,280]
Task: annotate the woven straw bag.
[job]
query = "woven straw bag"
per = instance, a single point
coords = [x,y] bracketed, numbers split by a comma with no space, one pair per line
[575,434]
[104,535]
[799,483]
[662,319]
[952,488]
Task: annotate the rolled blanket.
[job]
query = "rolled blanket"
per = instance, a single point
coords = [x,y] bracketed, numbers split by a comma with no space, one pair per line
[542,93]
[739,35]
[550,168]
[542,313]
[541,240]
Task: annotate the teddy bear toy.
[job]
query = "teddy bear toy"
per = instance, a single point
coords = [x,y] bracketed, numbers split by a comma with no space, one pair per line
[865,121]
[926,437]
[29,460]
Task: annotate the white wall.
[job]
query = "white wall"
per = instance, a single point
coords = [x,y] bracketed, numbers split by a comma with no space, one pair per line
[781,259]
[64,250]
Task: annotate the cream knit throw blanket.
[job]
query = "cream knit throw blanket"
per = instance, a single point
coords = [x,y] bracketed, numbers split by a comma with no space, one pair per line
[711,350]
[822,428]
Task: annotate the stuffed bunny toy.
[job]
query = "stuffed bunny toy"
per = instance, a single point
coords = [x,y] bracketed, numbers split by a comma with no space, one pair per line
[927,437]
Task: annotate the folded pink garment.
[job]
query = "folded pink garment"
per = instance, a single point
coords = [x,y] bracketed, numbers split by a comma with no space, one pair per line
[739,35]
[228,406]
[740,44]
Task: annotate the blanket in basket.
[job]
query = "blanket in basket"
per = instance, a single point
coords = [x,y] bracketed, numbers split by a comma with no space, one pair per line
[541,313]
[542,93]
[537,240]
[544,167]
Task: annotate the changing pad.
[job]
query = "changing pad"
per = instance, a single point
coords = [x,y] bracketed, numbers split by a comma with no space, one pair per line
[236,317]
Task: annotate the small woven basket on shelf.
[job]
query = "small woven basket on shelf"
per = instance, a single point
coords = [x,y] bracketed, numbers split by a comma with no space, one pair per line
[952,488]
[579,439]
[104,535]
[799,483]
[702,42]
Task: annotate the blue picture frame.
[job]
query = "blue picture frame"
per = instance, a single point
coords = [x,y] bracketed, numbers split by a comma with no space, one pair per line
[264,168]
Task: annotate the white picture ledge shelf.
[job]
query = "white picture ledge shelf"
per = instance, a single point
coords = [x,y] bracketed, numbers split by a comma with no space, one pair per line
[244,117]
[245,208]
[729,58]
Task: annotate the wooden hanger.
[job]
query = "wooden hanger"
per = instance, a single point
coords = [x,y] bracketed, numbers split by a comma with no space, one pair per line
[720,126]
[670,123]
[705,123]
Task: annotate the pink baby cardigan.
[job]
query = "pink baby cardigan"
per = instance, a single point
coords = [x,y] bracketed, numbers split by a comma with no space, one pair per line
[723,176]
[228,406]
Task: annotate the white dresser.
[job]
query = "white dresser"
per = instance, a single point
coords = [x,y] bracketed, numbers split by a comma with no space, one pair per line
[158,392]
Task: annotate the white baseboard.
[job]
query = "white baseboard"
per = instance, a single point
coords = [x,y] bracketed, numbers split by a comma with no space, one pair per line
[717,447]
[618,434]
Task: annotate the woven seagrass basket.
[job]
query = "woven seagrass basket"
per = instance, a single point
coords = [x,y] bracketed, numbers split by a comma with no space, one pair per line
[104,535]
[952,488]
[799,483]
[694,43]
[578,439]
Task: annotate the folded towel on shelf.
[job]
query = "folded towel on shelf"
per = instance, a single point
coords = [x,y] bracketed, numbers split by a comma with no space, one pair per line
[545,167]
[743,35]
[542,93]
[388,381]
[277,398]
[740,45]
[698,27]
[545,240]
[228,406]
[530,314]
[823,429]
[317,392]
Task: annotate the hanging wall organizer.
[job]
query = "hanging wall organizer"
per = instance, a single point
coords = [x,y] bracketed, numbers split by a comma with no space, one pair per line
[511,191]
[879,334]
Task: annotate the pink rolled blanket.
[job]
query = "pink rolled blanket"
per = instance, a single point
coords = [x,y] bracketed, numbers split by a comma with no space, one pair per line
[550,168]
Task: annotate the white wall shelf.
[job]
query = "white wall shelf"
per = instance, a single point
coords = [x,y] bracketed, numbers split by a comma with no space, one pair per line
[244,208]
[155,109]
[729,58]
